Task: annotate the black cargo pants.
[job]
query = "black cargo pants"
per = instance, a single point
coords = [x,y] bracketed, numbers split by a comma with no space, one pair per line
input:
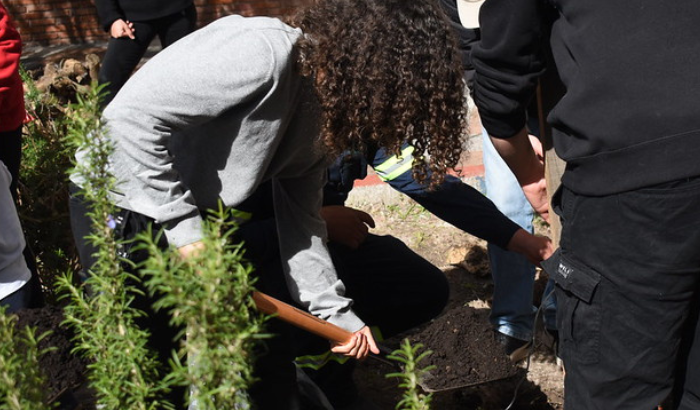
[628,286]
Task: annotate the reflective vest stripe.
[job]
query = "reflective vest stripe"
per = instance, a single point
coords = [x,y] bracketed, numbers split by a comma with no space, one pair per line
[316,362]
[395,165]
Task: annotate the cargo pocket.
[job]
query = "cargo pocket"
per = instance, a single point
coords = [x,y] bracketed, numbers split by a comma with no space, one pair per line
[579,310]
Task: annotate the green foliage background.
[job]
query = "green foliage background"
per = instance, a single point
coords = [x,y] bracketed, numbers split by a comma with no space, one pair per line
[43,185]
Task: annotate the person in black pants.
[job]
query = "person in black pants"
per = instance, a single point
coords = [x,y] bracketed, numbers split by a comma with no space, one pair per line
[132,25]
[628,267]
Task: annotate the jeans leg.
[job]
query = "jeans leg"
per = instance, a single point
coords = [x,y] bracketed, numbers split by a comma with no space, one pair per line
[513,276]
[549,300]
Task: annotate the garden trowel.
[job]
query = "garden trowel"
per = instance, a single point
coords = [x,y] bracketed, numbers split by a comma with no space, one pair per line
[310,323]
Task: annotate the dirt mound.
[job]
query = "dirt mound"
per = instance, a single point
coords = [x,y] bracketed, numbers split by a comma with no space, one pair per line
[464,351]
[62,369]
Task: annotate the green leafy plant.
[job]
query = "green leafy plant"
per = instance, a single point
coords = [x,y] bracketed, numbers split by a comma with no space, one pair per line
[209,295]
[122,370]
[43,188]
[407,210]
[21,381]
[410,376]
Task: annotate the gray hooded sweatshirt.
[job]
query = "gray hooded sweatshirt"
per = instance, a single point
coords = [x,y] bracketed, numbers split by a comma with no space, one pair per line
[212,117]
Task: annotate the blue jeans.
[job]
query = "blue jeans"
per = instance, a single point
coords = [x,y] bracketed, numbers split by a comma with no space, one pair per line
[512,313]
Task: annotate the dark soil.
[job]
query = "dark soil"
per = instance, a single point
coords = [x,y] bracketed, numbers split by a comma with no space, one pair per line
[472,372]
[464,351]
[63,370]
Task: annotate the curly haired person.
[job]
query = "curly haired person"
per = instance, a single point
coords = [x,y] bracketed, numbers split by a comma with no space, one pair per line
[243,101]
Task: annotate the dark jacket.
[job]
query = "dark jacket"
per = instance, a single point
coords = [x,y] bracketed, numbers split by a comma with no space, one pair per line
[630,117]
[137,10]
[453,201]
[466,39]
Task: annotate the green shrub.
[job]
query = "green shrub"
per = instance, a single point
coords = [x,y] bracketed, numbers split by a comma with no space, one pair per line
[122,369]
[207,294]
[21,381]
[43,188]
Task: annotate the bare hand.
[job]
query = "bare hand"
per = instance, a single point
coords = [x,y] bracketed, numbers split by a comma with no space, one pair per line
[121,28]
[190,250]
[536,146]
[536,191]
[524,158]
[535,248]
[361,344]
[536,194]
[347,226]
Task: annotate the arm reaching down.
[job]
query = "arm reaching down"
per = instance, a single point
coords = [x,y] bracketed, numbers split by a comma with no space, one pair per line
[346,225]
[527,166]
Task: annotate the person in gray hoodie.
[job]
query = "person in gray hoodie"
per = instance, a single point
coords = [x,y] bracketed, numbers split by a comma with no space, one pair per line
[249,100]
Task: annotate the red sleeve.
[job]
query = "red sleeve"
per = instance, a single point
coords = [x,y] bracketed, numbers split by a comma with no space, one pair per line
[11,92]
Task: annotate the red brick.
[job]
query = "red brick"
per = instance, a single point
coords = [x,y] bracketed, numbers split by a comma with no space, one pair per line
[77,19]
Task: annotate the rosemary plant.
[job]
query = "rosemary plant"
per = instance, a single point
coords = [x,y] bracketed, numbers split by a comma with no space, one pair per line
[209,294]
[122,370]
[410,377]
[21,381]
[43,190]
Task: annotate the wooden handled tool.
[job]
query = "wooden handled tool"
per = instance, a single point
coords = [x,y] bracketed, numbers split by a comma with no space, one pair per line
[303,320]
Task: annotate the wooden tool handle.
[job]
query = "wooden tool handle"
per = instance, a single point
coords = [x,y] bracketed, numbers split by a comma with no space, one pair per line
[303,320]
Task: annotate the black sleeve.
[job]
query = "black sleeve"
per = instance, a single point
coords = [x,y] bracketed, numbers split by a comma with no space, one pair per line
[454,202]
[464,207]
[508,61]
[108,12]
[467,38]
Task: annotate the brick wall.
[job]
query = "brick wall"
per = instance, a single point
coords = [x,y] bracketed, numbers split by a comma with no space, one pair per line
[48,22]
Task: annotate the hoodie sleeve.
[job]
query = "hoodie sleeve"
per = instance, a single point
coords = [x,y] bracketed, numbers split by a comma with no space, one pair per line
[312,278]
[508,61]
[220,71]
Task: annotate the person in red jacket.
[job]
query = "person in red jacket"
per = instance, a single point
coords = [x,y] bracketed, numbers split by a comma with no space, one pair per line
[12,116]
[12,113]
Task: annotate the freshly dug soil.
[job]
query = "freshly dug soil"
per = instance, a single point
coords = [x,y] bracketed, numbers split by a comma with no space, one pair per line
[464,351]
[62,369]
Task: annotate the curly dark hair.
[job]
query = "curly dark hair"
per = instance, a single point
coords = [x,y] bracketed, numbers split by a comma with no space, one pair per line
[386,72]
